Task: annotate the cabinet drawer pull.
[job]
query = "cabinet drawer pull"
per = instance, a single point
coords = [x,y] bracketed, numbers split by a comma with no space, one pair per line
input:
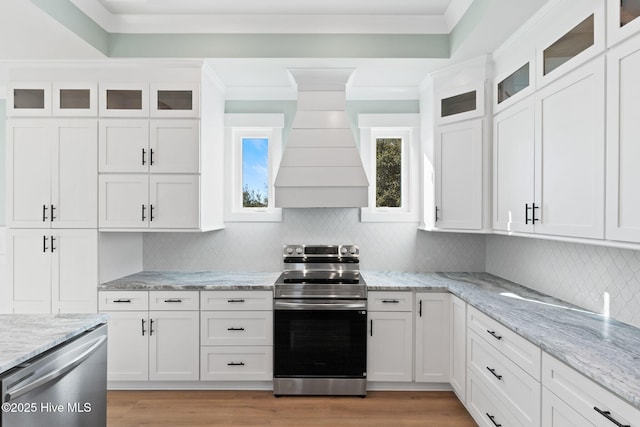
[235,329]
[493,334]
[390,301]
[143,331]
[492,418]
[493,371]
[235,300]
[173,300]
[607,415]
[121,300]
[420,308]
[235,364]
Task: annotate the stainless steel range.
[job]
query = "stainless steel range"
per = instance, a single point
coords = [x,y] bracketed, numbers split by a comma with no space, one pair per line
[320,322]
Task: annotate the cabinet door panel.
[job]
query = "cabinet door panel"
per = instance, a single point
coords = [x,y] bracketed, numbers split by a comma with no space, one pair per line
[513,167]
[623,149]
[458,165]
[124,145]
[75,175]
[122,198]
[174,345]
[389,346]
[458,346]
[128,346]
[29,173]
[175,145]
[28,288]
[570,154]
[74,278]
[174,201]
[432,338]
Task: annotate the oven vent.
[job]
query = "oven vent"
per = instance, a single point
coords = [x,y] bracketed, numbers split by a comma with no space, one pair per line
[321,165]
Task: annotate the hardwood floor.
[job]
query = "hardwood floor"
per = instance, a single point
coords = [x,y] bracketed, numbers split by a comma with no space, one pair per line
[260,408]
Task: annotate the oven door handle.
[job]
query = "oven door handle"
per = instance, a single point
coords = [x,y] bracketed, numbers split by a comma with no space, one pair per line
[320,305]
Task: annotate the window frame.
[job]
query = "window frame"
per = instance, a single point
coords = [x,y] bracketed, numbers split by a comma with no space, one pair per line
[404,126]
[237,128]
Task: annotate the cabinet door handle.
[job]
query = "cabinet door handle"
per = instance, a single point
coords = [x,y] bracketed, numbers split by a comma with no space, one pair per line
[44,213]
[53,248]
[44,244]
[143,212]
[150,327]
[493,371]
[420,308]
[371,327]
[143,331]
[173,300]
[607,415]
[235,300]
[151,157]
[493,334]
[437,217]
[144,162]
[533,213]
[235,364]
[390,301]
[150,212]
[53,208]
[235,329]
[492,418]
[526,213]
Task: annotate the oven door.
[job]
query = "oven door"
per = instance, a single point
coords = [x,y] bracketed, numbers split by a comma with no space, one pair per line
[320,338]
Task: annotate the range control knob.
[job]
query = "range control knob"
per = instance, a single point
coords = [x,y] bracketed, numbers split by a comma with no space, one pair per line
[299,251]
[289,250]
[352,250]
[343,250]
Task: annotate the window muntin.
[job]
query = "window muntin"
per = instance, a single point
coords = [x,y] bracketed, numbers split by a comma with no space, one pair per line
[389,172]
[255,172]
[578,39]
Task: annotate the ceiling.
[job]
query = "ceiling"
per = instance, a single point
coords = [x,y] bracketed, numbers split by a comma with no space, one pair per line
[392,44]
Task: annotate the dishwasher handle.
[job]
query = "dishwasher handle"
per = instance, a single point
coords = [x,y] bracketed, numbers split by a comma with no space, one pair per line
[45,379]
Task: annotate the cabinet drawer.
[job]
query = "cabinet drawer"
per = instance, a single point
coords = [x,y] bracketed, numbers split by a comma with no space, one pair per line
[250,363]
[174,300]
[236,328]
[390,301]
[523,353]
[485,409]
[236,300]
[556,413]
[123,300]
[518,391]
[584,395]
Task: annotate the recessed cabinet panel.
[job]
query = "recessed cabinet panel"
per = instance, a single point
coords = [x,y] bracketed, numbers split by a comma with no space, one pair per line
[29,99]
[174,345]
[571,44]
[124,145]
[124,201]
[174,146]
[174,201]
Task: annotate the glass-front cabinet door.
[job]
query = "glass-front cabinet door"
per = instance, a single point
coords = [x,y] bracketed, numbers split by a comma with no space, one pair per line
[31,99]
[75,99]
[175,100]
[124,100]
[622,20]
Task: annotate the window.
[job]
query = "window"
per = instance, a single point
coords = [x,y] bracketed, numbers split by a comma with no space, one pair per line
[253,152]
[389,144]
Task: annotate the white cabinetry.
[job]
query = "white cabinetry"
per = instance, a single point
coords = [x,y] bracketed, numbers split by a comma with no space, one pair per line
[159,345]
[623,149]
[390,343]
[458,346]
[52,174]
[51,271]
[432,338]
[570,398]
[458,166]
[236,336]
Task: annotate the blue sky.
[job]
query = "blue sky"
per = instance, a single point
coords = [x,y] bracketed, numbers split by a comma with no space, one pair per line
[255,156]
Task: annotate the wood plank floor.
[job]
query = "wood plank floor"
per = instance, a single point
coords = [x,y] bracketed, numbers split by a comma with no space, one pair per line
[260,408]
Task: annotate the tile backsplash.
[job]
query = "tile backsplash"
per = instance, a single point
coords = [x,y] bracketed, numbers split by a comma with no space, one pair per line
[577,273]
[252,246]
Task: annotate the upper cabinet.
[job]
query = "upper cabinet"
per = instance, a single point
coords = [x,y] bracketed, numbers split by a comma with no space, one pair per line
[460,103]
[32,99]
[622,20]
[124,100]
[174,100]
[75,99]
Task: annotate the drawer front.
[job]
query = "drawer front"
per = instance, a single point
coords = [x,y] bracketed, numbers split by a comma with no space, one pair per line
[236,300]
[236,328]
[390,301]
[556,413]
[523,353]
[174,300]
[485,409]
[518,391]
[123,300]
[249,363]
[584,395]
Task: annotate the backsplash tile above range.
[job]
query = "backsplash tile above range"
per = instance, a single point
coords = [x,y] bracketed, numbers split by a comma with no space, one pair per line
[257,246]
[577,273]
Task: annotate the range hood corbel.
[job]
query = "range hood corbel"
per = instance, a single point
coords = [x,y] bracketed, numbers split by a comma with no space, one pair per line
[321,165]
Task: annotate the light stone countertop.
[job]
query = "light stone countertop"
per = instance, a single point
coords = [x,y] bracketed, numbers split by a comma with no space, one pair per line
[24,336]
[605,350]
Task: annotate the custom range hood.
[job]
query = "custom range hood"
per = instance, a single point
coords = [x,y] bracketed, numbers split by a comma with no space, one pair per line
[321,165]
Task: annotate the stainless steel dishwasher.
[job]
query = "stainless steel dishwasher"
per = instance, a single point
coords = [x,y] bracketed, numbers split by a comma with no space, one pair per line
[64,387]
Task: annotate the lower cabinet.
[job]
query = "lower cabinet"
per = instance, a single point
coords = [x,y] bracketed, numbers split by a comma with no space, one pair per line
[458,346]
[236,336]
[432,337]
[485,408]
[152,335]
[390,340]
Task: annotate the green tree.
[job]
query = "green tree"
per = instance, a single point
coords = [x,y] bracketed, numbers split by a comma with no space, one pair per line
[388,172]
[254,199]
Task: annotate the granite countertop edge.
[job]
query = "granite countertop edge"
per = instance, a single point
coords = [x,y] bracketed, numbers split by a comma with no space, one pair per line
[602,349]
[26,336]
